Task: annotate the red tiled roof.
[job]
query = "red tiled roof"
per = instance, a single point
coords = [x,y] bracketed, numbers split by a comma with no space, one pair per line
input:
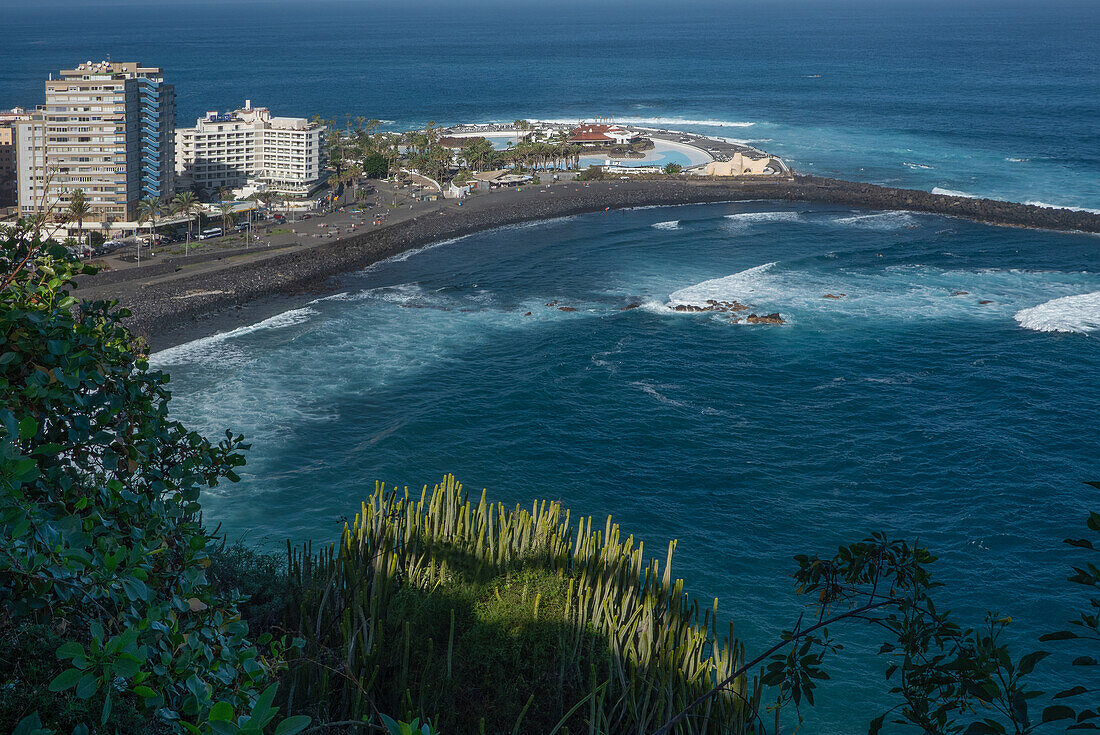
[588,136]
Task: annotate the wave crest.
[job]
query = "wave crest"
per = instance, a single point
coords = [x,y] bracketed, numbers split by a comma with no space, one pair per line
[1079,314]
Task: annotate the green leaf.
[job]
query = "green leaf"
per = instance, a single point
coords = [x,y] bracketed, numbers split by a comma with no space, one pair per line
[87,686]
[222,711]
[1071,692]
[144,691]
[1084,661]
[67,679]
[125,666]
[28,427]
[70,649]
[1061,635]
[293,725]
[1057,712]
[221,727]
[30,725]
[1027,663]
[135,589]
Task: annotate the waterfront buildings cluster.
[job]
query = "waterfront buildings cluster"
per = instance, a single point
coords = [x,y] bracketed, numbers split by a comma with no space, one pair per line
[108,130]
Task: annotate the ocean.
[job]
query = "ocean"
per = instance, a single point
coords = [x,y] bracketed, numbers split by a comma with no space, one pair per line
[949,395]
[997,99]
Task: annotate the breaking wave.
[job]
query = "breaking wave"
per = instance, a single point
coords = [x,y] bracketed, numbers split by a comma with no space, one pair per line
[952,193]
[199,349]
[808,292]
[670,225]
[1080,313]
[1062,206]
[663,121]
[879,220]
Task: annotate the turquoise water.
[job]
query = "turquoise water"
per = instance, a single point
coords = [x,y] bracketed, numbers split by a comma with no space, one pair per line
[988,98]
[899,407]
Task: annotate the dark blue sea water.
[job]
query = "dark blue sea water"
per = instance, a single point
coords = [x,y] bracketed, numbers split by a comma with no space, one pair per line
[989,98]
[899,407]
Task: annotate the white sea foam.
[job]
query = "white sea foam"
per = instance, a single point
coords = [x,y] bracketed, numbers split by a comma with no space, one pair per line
[900,292]
[1017,160]
[747,219]
[1062,206]
[670,225]
[953,193]
[918,165]
[200,349]
[739,286]
[664,122]
[1080,313]
[890,220]
[651,389]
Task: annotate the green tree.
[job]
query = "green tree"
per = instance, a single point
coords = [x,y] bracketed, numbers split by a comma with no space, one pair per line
[79,209]
[225,210]
[186,203]
[149,209]
[100,518]
[673,168]
[376,166]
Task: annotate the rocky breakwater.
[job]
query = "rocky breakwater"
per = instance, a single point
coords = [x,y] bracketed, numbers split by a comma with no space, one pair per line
[870,196]
[170,304]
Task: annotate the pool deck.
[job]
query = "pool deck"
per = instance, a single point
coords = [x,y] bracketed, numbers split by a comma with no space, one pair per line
[701,149]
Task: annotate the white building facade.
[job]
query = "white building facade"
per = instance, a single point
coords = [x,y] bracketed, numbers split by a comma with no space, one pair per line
[108,132]
[250,147]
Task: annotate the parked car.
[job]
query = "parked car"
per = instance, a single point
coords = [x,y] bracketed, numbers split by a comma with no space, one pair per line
[307,216]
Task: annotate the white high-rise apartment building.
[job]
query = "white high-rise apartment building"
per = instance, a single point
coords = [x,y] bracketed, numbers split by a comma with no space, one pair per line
[249,147]
[108,132]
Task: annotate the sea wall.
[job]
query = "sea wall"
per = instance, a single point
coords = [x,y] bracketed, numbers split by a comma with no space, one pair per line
[164,308]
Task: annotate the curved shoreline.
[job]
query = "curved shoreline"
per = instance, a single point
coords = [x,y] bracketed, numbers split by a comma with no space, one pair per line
[181,307]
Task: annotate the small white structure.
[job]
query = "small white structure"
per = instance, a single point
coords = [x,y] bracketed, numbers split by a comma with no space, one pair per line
[454,191]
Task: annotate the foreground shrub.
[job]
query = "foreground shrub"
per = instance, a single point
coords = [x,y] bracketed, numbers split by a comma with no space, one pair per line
[99,516]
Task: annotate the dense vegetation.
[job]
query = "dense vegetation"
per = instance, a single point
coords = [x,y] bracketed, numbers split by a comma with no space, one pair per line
[119,612]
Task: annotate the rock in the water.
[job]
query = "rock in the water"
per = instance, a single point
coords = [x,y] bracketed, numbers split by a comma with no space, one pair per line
[566,308]
[834,296]
[960,293]
[765,319]
[527,314]
[985,302]
[632,305]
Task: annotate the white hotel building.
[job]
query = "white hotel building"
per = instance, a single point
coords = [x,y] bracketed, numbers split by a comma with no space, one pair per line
[249,147]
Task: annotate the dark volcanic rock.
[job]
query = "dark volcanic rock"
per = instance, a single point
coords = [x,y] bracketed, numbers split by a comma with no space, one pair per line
[765,319]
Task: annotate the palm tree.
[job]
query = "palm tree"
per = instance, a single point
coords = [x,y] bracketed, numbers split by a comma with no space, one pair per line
[149,208]
[185,203]
[225,209]
[79,209]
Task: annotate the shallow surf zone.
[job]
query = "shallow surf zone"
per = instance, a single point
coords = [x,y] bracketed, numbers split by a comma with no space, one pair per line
[205,349]
[1079,314]
[815,293]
